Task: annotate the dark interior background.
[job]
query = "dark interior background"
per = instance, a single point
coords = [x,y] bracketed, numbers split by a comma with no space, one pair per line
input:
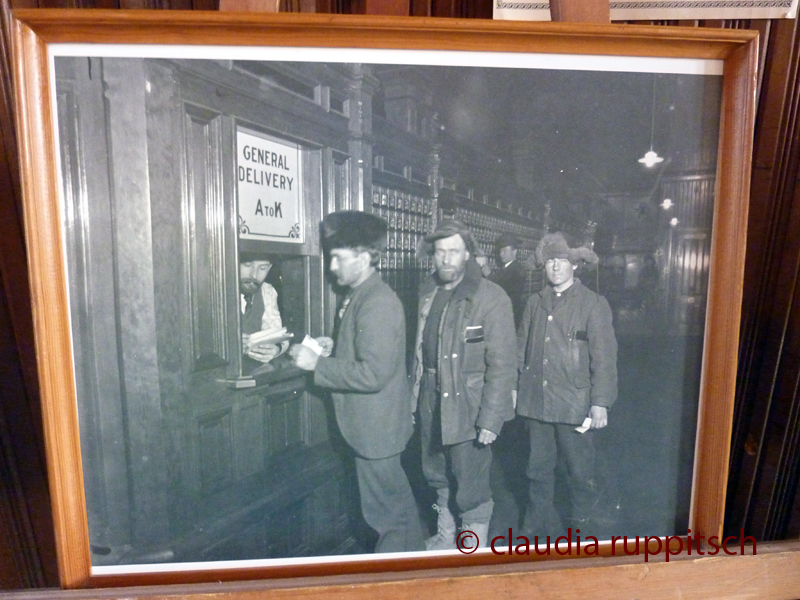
[762,489]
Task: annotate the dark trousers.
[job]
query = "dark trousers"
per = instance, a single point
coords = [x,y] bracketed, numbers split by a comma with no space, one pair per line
[388,505]
[469,462]
[548,442]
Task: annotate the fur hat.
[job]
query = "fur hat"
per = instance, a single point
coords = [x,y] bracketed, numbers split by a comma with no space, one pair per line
[354,229]
[447,228]
[555,245]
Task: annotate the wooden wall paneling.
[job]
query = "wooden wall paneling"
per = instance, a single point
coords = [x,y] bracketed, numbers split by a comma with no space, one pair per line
[463,9]
[50,4]
[13,4]
[420,8]
[206,235]
[362,88]
[28,557]
[136,271]
[250,5]
[793,528]
[181,5]
[777,486]
[137,4]
[88,245]
[20,566]
[205,4]
[380,7]
[479,9]
[770,276]
[326,6]
[580,11]
[13,268]
[304,6]
[444,8]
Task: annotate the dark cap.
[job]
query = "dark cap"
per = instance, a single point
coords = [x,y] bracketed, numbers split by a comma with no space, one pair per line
[448,228]
[354,229]
[506,239]
[250,256]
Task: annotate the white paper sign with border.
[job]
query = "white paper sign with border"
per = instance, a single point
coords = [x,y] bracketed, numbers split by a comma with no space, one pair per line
[268,183]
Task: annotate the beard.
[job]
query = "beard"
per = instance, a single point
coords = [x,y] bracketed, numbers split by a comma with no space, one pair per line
[249,286]
[448,274]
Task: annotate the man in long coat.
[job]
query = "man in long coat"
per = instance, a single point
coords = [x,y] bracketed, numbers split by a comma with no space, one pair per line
[366,374]
[567,356]
[465,371]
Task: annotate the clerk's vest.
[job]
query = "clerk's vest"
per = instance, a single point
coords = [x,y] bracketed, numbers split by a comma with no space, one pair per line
[251,319]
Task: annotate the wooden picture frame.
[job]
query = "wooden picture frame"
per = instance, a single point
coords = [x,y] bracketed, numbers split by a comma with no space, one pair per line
[37,31]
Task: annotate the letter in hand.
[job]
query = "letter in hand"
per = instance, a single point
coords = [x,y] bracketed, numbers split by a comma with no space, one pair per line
[263,352]
[304,357]
[486,437]
[326,343]
[599,416]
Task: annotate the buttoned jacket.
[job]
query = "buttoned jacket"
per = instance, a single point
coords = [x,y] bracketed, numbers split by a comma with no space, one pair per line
[476,356]
[367,372]
[567,356]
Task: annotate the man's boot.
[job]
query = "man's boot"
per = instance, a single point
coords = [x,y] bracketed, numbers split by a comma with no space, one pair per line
[477,521]
[445,538]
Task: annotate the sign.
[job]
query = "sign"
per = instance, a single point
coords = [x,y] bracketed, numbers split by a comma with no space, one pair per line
[268,185]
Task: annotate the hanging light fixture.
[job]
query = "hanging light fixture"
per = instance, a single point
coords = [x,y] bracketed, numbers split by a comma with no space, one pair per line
[651,157]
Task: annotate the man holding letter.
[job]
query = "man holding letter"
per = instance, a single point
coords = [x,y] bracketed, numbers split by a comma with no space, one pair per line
[567,356]
[366,374]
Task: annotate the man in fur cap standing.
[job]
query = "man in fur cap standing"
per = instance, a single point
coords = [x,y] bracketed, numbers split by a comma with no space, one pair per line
[567,379]
[366,372]
[465,371]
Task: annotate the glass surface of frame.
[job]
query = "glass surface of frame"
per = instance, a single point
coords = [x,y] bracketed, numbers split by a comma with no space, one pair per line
[187,470]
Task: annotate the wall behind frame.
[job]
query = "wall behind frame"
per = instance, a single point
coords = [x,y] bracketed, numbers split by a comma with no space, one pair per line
[762,490]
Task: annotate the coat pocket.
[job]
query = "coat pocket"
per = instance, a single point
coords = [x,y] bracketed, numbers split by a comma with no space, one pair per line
[581,381]
[474,359]
[474,334]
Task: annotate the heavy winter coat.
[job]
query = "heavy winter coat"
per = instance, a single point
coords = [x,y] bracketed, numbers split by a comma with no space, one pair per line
[476,359]
[567,356]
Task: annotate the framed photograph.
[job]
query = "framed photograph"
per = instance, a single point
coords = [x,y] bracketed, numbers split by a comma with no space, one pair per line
[167,157]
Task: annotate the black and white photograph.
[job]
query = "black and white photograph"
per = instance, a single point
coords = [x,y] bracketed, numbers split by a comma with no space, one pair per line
[345,304]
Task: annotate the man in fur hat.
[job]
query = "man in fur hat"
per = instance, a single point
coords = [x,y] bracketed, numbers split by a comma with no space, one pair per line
[366,373]
[567,379]
[465,371]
